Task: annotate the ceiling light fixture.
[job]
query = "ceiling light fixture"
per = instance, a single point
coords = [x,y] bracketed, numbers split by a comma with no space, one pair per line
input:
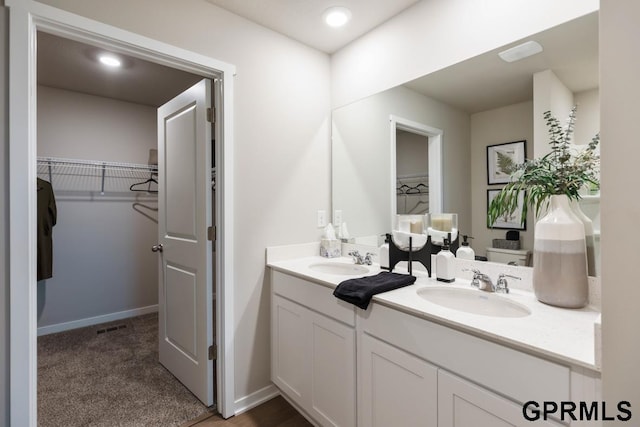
[337,16]
[521,51]
[110,60]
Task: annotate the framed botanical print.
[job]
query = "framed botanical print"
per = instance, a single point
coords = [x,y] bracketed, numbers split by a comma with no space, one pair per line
[508,221]
[502,160]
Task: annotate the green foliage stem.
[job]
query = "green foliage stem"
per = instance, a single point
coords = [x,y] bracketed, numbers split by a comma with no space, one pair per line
[559,172]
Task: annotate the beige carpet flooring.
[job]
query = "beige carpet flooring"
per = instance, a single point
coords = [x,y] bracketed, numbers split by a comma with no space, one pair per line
[111,379]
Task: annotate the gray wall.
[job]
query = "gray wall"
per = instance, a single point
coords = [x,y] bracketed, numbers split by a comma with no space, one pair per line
[620,206]
[504,124]
[4,229]
[4,215]
[101,258]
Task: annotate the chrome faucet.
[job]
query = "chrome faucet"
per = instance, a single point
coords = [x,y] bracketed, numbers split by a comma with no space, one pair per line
[482,281]
[359,259]
[502,285]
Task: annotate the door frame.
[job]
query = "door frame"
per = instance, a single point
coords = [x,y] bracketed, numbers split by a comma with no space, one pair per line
[436,183]
[25,18]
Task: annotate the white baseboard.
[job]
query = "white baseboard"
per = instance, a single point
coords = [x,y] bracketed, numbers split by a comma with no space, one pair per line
[256,398]
[90,321]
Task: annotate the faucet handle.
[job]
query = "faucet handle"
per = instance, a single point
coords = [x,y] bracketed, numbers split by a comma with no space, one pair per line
[476,275]
[357,258]
[368,258]
[502,285]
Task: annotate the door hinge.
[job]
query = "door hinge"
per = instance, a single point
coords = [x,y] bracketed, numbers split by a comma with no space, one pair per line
[213,352]
[211,233]
[211,115]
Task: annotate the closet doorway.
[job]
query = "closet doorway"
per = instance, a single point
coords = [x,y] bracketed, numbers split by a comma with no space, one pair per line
[416,167]
[25,20]
[126,146]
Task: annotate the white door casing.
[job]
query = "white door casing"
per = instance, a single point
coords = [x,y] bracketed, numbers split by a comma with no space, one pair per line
[435,160]
[185,277]
[25,18]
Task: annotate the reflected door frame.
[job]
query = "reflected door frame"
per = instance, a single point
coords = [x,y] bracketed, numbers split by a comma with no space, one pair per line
[434,135]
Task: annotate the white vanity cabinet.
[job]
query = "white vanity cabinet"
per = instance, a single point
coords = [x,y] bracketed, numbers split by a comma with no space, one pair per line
[413,371]
[409,369]
[396,388]
[313,349]
[465,404]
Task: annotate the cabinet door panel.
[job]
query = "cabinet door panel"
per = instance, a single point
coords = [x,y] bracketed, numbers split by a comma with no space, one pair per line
[464,404]
[289,358]
[397,389]
[333,390]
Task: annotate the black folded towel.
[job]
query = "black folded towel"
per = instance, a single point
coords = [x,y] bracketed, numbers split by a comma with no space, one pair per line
[360,291]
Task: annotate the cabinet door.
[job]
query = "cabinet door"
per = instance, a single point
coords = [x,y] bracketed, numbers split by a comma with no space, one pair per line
[289,361]
[396,388]
[464,404]
[333,358]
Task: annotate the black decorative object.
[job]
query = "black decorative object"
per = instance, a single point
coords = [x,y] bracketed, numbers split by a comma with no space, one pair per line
[423,255]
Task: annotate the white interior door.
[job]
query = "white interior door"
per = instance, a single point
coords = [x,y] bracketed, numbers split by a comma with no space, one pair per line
[184,200]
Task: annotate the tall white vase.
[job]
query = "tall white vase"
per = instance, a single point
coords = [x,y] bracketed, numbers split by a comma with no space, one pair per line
[588,235]
[560,257]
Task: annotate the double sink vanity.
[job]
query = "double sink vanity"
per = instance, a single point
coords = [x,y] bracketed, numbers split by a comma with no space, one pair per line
[429,354]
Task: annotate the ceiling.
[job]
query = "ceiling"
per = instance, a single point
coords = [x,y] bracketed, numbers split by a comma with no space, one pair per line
[486,82]
[302,19]
[478,84]
[70,65]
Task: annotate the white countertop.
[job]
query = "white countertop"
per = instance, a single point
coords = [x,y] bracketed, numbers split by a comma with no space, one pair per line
[566,335]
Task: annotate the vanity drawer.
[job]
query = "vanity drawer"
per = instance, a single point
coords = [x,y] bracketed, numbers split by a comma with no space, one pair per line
[514,374]
[314,296]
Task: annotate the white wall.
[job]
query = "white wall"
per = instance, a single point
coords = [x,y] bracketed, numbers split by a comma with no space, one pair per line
[102,263]
[282,149]
[549,94]
[588,115]
[505,124]
[80,126]
[434,34]
[620,208]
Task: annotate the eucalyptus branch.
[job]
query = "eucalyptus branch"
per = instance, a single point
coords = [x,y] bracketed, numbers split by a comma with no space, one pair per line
[558,172]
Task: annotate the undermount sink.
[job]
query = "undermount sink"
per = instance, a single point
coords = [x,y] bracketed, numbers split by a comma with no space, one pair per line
[339,268]
[474,301]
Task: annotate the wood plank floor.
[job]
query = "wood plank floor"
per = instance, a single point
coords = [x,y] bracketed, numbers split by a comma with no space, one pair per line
[277,412]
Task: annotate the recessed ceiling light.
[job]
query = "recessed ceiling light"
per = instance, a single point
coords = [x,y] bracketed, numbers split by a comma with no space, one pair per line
[337,16]
[521,51]
[110,60]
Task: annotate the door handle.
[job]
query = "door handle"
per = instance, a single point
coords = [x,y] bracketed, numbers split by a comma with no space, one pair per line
[157,248]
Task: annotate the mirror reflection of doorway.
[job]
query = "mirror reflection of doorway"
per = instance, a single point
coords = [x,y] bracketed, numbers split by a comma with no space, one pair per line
[412,173]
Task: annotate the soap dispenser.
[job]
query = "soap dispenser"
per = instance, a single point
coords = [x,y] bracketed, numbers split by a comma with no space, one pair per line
[445,264]
[465,251]
[383,255]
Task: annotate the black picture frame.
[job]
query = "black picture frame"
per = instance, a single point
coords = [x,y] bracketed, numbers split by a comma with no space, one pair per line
[500,157]
[512,222]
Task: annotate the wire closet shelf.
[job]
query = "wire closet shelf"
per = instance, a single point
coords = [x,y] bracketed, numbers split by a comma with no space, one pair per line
[75,175]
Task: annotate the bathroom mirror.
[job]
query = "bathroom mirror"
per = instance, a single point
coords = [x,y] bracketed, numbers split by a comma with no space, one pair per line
[460,111]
